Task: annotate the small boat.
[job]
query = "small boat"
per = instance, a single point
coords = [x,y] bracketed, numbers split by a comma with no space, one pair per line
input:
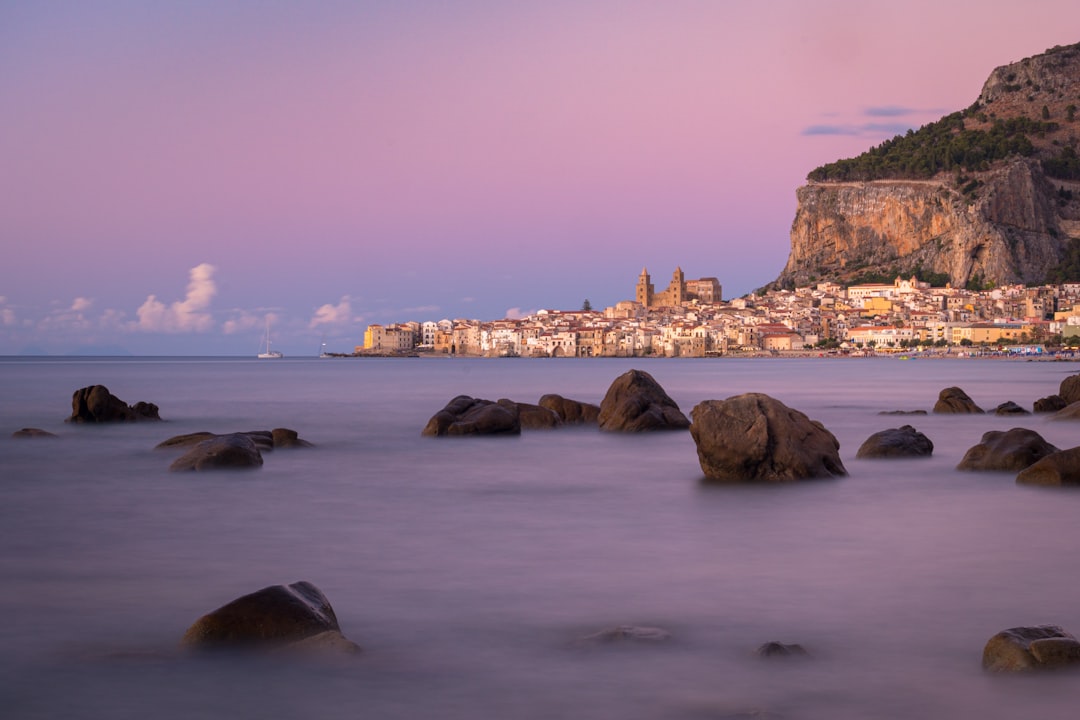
[269,354]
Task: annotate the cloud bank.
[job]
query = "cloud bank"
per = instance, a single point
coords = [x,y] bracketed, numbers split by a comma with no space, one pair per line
[183,316]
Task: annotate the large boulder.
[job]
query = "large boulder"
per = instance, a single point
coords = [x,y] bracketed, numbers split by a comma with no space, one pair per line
[635,402]
[1011,450]
[955,400]
[1038,647]
[1069,390]
[221,452]
[899,442]
[466,415]
[532,417]
[95,404]
[754,437]
[572,412]
[1050,403]
[1060,468]
[296,616]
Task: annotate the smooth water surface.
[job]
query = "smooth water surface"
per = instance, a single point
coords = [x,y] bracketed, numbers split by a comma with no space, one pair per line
[467,568]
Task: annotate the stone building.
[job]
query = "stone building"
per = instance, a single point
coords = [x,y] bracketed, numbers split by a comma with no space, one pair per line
[679,290]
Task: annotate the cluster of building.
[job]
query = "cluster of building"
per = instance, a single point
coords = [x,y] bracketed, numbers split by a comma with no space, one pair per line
[689,319]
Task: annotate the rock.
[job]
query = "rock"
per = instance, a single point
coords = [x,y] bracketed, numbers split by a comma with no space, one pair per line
[635,402]
[286,438]
[1069,412]
[903,441]
[465,415]
[532,417]
[572,412]
[95,404]
[1050,403]
[902,412]
[234,452]
[1030,648]
[1069,390]
[1012,450]
[756,438]
[263,439]
[1010,408]
[779,649]
[627,634]
[32,433]
[1060,468]
[298,616]
[955,400]
[182,441]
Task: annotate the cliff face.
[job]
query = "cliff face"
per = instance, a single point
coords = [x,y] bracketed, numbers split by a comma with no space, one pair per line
[1005,223]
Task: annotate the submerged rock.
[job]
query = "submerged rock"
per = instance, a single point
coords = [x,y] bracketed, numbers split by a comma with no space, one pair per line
[1012,450]
[955,400]
[779,649]
[1039,647]
[635,402]
[297,616]
[899,442]
[756,438]
[466,415]
[265,440]
[1059,468]
[33,433]
[221,452]
[95,404]
[627,634]
[572,412]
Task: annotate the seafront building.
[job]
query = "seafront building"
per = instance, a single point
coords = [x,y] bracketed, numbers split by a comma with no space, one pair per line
[690,319]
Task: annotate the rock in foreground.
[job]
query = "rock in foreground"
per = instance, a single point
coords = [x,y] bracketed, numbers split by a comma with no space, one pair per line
[572,412]
[756,438]
[955,400]
[1039,647]
[466,415]
[95,404]
[899,442]
[1011,451]
[1060,468]
[221,452]
[635,402]
[295,616]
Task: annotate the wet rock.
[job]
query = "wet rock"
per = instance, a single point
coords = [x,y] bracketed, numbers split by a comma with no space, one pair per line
[1010,408]
[1050,403]
[95,404]
[572,412]
[627,634]
[221,452]
[32,433]
[1069,412]
[1039,647]
[1012,450]
[955,400]
[779,649]
[1069,390]
[756,438]
[1060,468]
[532,417]
[899,442]
[465,415]
[297,616]
[635,402]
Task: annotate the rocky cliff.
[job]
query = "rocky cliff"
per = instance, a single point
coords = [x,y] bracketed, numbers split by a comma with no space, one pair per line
[1012,219]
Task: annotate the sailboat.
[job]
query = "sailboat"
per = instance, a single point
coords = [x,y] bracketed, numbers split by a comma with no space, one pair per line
[269,354]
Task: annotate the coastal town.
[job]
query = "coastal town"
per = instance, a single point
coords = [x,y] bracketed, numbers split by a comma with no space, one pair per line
[690,319]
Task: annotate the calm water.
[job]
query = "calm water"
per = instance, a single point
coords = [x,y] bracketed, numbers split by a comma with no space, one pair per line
[466,568]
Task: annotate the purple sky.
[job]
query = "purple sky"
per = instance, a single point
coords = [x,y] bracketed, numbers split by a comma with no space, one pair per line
[171,173]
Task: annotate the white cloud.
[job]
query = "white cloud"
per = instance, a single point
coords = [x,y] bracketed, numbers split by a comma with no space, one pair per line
[187,315]
[340,314]
[516,313]
[81,304]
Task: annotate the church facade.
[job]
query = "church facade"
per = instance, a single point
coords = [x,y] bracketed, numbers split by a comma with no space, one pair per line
[679,291]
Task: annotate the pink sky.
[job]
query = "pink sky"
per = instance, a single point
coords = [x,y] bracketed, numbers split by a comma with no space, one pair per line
[173,173]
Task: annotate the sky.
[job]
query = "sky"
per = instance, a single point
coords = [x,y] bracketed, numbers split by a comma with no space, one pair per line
[176,175]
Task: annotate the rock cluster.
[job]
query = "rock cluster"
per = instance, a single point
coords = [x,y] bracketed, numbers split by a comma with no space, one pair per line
[466,415]
[95,404]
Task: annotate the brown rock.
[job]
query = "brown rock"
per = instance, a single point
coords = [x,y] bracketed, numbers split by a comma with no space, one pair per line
[572,412]
[1010,408]
[635,402]
[286,438]
[1012,450]
[756,438]
[532,417]
[295,615]
[182,441]
[465,415]
[899,442]
[1012,650]
[955,400]
[233,452]
[1050,403]
[1060,468]
[1069,412]
[1069,390]
[95,404]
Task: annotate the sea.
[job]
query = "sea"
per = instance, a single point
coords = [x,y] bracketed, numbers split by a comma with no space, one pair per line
[470,569]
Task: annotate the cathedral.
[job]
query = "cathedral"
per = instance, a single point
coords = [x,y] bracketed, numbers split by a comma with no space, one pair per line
[679,290]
